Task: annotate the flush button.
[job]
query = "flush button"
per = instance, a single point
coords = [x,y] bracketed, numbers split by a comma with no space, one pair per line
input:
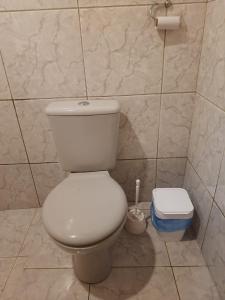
[84,103]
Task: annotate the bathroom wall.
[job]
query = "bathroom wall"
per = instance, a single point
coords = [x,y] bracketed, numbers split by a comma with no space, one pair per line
[205,173]
[56,49]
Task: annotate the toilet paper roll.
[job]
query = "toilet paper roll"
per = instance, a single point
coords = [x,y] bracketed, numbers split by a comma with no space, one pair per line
[168,23]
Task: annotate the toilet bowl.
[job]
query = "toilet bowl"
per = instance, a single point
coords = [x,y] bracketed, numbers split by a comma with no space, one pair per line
[84,215]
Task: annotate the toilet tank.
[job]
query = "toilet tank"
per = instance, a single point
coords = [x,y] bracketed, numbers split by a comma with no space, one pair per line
[85,133]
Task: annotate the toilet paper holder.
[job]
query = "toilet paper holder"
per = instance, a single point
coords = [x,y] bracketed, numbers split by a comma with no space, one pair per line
[164,22]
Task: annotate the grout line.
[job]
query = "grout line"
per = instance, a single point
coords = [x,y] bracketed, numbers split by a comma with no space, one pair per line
[20,129]
[201,50]
[172,271]
[26,233]
[140,5]
[57,162]
[160,108]
[82,48]
[208,100]
[9,275]
[99,96]
[90,6]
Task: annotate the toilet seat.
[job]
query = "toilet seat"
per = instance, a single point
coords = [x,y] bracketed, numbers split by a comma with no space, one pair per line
[84,209]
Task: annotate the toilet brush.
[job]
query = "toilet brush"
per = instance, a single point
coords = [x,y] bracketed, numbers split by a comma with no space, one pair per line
[136,222]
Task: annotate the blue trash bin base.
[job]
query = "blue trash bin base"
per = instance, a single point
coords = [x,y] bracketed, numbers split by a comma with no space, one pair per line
[170,229]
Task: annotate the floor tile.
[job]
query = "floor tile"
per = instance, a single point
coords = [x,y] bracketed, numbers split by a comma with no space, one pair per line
[43,284]
[185,253]
[195,283]
[40,250]
[135,284]
[6,265]
[140,250]
[14,226]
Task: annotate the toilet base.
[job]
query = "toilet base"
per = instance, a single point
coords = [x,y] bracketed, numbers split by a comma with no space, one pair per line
[92,267]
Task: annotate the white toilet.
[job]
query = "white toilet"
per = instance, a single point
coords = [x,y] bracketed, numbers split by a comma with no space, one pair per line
[85,213]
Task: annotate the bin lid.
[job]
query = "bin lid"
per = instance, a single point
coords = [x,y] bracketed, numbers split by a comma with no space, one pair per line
[172,203]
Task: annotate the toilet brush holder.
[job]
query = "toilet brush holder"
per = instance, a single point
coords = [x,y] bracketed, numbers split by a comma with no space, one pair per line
[136,222]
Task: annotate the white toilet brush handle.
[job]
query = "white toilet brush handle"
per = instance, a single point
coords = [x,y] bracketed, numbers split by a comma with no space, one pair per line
[138,183]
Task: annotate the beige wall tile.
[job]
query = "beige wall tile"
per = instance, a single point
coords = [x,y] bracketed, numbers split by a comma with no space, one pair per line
[201,200]
[35,4]
[207,142]
[36,130]
[182,49]
[4,88]
[139,124]
[213,248]
[211,80]
[170,172]
[11,145]
[42,53]
[46,177]
[121,57]
[16,187]
[175,124]
[127,171]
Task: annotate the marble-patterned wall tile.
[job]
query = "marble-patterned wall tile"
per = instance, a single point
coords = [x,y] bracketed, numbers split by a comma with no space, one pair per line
[46,177]
[175,124]
[35,4]
[182,48]
[127,171]
[11,145]
[123,52]
[4,88]
[201,200]
[42,53]
[16,187]
[96,3]
[213,248]
[220,190]
[211,80]
[36,130]
[139,124]
[170,172]
[207,142]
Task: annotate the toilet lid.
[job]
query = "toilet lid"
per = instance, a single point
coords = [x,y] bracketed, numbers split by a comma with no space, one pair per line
[84,209]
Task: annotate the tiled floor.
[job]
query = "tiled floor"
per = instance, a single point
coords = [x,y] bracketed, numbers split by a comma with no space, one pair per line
[32,267]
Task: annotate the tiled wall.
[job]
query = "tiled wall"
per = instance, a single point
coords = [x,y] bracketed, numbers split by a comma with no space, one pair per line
[205,173]
[105,49]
